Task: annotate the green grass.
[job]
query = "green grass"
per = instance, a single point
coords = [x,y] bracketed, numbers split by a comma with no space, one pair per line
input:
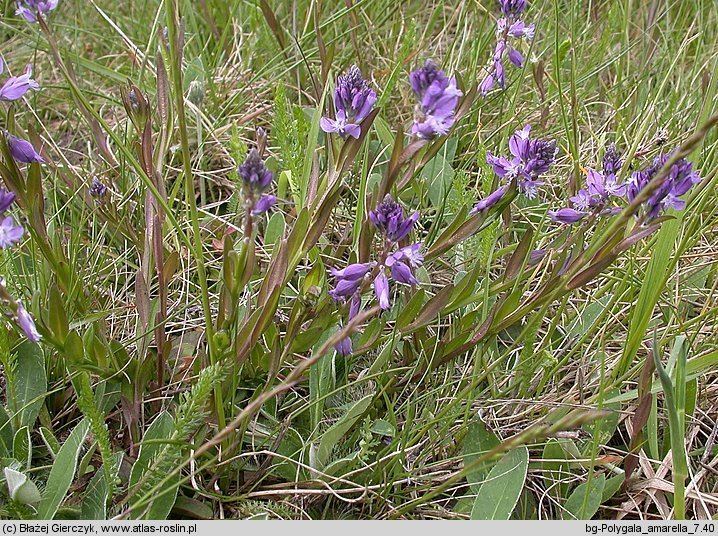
[245,375]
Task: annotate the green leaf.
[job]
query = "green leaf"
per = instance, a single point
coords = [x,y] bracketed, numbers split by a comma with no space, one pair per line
[556,467]
[674,390]
[526,509]
[29,385]
[691,396]
[439,174]
[321,380]
[695,367]
[160,429]
[62,472]
[585,500]
[57,316]
[612,486]
[275,229]
[315,279]
[22,447]
[604,428]
[651,287]
[94,500]
[408,311]
[186,508]
[382,427]
[500,492]
[563,49]
[588,318]
[6,435]
[312,141]
[337,431]
[478,441]
[51,442]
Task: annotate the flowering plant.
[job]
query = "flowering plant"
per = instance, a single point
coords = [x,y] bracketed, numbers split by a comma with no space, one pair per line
[236,277]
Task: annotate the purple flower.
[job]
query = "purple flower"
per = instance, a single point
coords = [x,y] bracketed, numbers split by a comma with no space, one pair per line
[583,200]
[403,261]
[516,57]
[512,7]
[410,254]
[612,162]
[344,347]
[353,100]
[600,187]
[566,215]
[22,150]
[381,289]
[517,29]
[10,234]
[97,189]
[509,26]
[536,256]
[400,264]
[265,202]
[681,178]
[487,84]
[254,172]
[389,219]
[604,185]
[490,200]
[349,279]
[438,96]
[531,158]
[16,86]
[30,9]
[401,273]
[27,324]
[6,199]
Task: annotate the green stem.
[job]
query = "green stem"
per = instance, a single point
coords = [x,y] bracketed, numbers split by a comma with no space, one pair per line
[173,19]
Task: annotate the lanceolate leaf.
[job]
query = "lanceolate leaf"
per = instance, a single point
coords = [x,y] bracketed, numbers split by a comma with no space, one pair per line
[586,499]
[62,472]
[160,429]
[478,441]
[653,283]
[94,501]
[28,390]
[335,433]
[502,487]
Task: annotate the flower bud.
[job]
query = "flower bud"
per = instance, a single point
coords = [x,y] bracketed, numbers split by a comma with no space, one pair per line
[196,93]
